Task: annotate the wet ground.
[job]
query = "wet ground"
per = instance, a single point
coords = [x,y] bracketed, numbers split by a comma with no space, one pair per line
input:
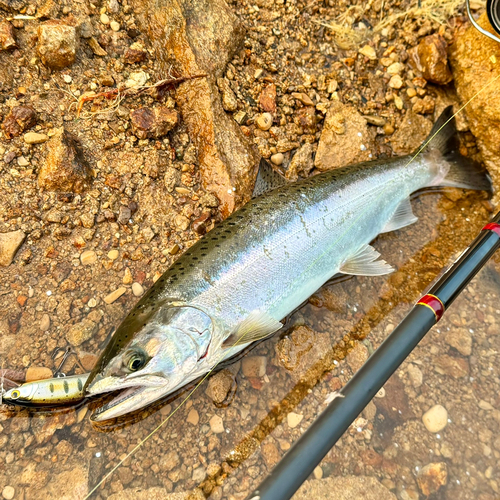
[139,214]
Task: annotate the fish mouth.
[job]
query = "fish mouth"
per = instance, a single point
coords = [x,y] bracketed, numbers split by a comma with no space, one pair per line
[114,407]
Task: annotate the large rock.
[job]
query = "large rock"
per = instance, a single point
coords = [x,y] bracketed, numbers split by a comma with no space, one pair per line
[346,138]
[474,68]
[188,36]
[431,59]
[344,488]
[56,44]
[65,169]
[9,245]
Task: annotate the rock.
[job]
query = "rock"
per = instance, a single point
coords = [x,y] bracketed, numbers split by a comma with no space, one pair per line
[127,277]
[114,25]
[451,365]
[424,106]
[9,245]
[277,158]
[136,53]
[270,454]
[345,139]
[45,323]
[193,417]
[294,419]
[124,215]
[229,101]
[302,162]
[460,339]
[137,79]
[344,488]
[394,406]
[193,34]
[68,485]
[431,477]
[395,68]
[430,58]
[113,254]
[7,37]
[65,168]
[369,52]
[155,493]
[357,357]
[267,98]
[264,121]
[415,374]
[38,373]
[318,472]
[88,257]
[18,120]
[153,123]
[34,138]
[81,332]
[303,98]
[46,425]
[56,44]
[254,366]
[219,386]
[473,69]
[216,424]
[411,133]
[181,222]
[396,82]
[8,493]
[137,289]
[110,298]
[435,419]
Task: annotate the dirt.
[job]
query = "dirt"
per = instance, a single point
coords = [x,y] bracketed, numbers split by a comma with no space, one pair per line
[79,250]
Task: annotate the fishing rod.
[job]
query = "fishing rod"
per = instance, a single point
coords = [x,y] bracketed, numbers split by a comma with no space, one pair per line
[326,430]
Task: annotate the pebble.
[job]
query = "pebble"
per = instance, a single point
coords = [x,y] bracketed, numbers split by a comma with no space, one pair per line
[398,102]
[104,18]
[9,245]
[388,129]
[254,366]
[38,373]
[264,121]
[435,419]
[460,339]
[81,332]
[113,254]
[67,78]
[318,472]
[57,44]
[294,419]
[219,386]
[110,298]
[369,52]
[396,82]
[8,492]
[19,119]
[303,98]
[114,26]
[137,79]
[137,289]
[34,138]
[7,36]
[431,477]
[45,323]
[127,277]
[416,375]
[181,221]
[216,424]
[22,161]
[88,257]
[277,158]
[193,417]
[395,68]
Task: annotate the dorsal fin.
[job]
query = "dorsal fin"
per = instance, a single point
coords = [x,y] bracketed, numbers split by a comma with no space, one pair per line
[267,179]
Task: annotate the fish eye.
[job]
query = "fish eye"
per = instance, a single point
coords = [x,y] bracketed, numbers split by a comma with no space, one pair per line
[136,360]
[15,394]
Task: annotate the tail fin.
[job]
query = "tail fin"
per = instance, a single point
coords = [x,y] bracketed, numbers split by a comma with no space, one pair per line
[442,145]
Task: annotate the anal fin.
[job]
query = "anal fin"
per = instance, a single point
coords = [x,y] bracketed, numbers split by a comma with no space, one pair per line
[256,326]
[365,263]
[403,216]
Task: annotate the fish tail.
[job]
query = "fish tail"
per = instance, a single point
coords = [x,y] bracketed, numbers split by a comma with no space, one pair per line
[441,151]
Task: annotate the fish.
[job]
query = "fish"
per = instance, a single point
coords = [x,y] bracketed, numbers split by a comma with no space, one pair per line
[48,392]
[236,284]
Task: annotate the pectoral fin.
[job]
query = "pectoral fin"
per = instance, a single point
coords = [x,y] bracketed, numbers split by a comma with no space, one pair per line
[365,263]
[267,179]
[256,326]
[403,216]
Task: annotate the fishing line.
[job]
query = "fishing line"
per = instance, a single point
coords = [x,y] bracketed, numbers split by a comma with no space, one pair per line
[161,424]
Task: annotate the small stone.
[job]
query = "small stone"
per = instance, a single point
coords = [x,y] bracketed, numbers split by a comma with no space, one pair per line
[113,254]
[110,298]
[303,98]
[45,322]
[267,98]
[435,419]
[431,59]
[375,120]
[294,419]
[136,53]
[264,121]
[333,85]
[38,373]
[277,158]
[416,375]
[270,454]
[396,82]
[127,277]
[18,120]
[193,417]
[104,19]
[240,117]
[181,221]
[124,215]
[81,332]
[96,48]
[229,101]
[301,163]
[137,289]
[88,257]
[369,52]
[398,102]
[388,129]
[34,138]
[153,123]
[8,492]
[9,245]
[7,39]
[114,26]
[22,161]
[453,366]
[219,386]
[395,68]
[431,477]
[216,424]
[254,366]
[318,472]
[88,360]
[137,79]
[56,44]
[460,339]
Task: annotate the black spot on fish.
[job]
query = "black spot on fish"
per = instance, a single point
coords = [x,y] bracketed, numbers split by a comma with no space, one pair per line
[66,386]
[80,385]
[51,387]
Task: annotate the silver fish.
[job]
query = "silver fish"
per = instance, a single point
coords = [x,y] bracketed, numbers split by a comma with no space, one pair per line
[235,284]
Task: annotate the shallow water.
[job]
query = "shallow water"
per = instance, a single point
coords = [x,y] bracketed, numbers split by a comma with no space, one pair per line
[64,455]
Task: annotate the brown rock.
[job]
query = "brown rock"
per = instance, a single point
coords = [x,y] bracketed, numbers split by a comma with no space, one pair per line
[153,123]
[229,101]
[306,119]
[270,454]
[56,44]
[473,69]
[345,139]
[136,53]
[9,245]
[81,332]
[460,339]
[394,406]
[7,38]
[431,59]
[411,133]
[38,373]
[219,386]
[301,163]
[18,120]
[225,157]
[431,477]
[267,98]
[424,106]
[254,366]
[65,168]
[452,366]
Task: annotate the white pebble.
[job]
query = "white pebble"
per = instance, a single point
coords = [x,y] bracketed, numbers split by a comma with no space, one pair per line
[435,419]
[67,78]
[8,492]
[104,19]
[114,26]
[137,289]
[216,424]
[277,159]
[294,419]
[264,121]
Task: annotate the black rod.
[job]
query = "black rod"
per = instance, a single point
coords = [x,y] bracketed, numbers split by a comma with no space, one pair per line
[326,430]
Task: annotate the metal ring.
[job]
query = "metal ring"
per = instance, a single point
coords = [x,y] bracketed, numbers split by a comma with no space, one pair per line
[493,10]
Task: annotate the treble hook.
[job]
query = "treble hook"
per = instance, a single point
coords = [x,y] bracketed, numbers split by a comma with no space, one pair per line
[67,353]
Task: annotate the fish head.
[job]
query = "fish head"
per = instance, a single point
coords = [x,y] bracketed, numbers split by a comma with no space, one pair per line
[154,360]
[20,395]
